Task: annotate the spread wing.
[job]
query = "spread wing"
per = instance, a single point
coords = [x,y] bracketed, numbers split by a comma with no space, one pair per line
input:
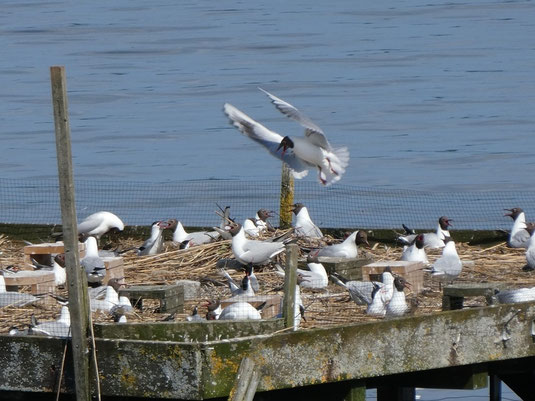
[267,138]
[312,132]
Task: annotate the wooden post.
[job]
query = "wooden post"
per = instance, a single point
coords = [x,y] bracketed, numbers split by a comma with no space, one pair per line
[290,282]
[246,381]
[287,197]
[78,300]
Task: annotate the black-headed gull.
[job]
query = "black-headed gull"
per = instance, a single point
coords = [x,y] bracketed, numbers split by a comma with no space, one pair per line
[252,251]
[448,267]
[516,295]
[56,328]
[377,306]
[244,289]
[240,311]
[347,249]
[416,251]
[431,240]
[195,317]
[519,237]
[100,223]
[316,278]
[398,304]
[110,300]
[361,292]
[197,238]
[213,310]
[259,224]
[154,244]
[299,153]
[304,226]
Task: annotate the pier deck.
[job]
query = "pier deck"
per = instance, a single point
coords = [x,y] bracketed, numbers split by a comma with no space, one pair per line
[448,349]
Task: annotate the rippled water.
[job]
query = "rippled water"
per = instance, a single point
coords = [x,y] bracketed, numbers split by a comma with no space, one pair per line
[425,94]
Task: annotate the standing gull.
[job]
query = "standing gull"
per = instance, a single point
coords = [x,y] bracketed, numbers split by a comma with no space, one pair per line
[299,153]
[252,251]
[448,267]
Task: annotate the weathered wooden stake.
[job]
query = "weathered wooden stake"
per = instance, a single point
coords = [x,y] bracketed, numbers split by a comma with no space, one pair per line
[290,282]
[246,381]
[287,197]
[78,301]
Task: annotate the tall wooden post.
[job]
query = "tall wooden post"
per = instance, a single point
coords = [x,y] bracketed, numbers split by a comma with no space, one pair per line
[78,300]
[290,282]
[287,197]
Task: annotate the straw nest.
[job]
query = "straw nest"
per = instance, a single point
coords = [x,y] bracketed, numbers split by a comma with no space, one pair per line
[331,307]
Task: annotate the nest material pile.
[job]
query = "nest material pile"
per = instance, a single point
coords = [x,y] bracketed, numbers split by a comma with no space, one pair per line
[327,308]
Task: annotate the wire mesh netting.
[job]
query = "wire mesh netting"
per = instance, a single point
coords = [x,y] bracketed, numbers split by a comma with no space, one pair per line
[195,202]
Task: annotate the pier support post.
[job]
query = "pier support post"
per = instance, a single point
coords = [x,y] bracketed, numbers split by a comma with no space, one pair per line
[290,282]
[495,388]
[78,300]
[287,197]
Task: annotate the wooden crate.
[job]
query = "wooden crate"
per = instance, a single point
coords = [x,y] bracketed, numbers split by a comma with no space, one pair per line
[410,271]
[114,268]
[349,269]
[41,282]
[43,253]
[272,308]
[171,297]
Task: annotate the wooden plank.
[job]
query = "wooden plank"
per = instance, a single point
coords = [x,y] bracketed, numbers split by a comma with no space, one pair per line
[213,330]
[77,285]
[454,294]
[48,248]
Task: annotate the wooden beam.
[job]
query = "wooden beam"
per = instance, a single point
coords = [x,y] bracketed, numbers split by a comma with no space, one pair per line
[78,301]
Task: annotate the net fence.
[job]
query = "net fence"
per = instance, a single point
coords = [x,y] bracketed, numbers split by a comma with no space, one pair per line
[194,203]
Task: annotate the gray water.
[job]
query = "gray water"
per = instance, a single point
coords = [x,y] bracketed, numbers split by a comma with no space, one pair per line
[426,95]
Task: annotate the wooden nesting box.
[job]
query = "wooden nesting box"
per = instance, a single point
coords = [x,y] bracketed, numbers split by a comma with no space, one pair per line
[271,309]
[349,269]
[114,268]
[41,282]
[410,271]
[171,297]
[42,253]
